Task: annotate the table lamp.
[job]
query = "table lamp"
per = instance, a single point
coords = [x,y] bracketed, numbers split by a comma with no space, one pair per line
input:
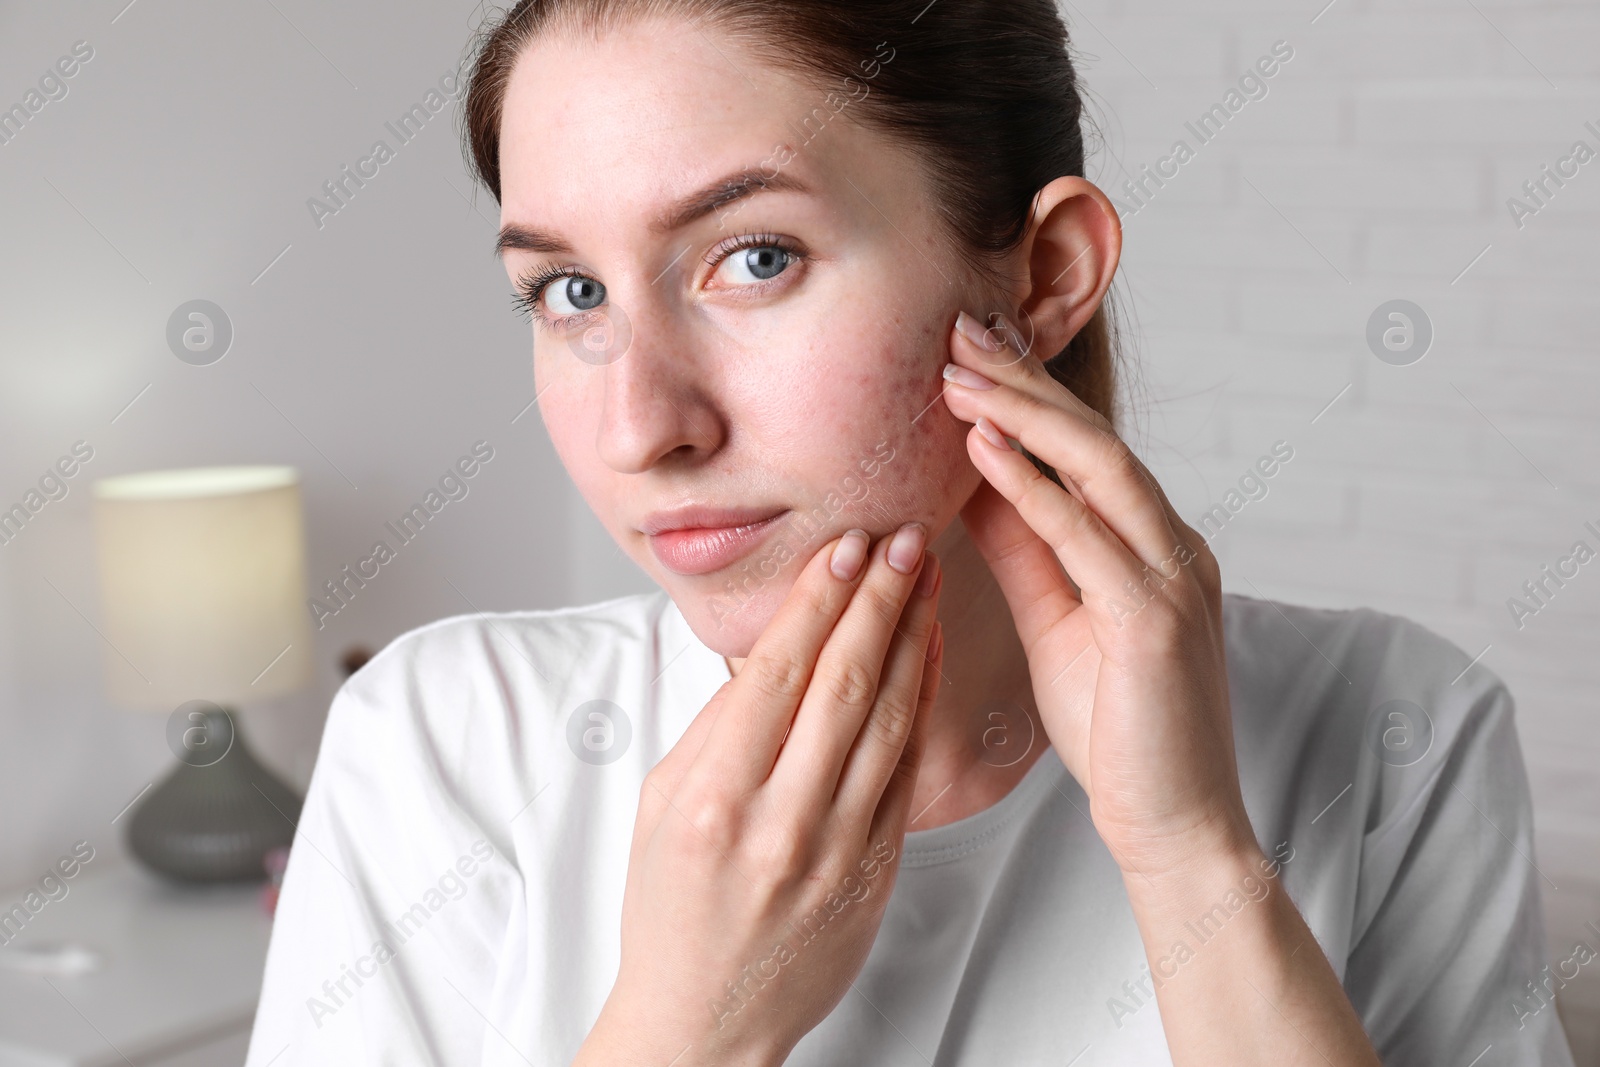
[202,578]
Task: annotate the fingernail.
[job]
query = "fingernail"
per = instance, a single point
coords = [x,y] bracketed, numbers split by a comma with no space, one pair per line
[992,435]
[971,379]
[929,578]
[906,547]
[936,644]
[848,555]
[974,331]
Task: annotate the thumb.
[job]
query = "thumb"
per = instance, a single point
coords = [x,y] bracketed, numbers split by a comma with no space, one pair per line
[669,773]
[1036,588]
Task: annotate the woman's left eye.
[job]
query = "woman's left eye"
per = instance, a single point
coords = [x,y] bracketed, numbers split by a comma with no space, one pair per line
[757,264]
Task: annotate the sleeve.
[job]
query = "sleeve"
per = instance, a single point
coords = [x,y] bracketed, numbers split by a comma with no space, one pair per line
[396,898]
[1450,965]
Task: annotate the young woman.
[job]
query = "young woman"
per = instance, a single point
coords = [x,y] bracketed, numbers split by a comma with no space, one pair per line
[799,275]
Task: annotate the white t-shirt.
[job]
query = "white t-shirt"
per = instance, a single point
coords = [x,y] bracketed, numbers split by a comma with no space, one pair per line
[455,890]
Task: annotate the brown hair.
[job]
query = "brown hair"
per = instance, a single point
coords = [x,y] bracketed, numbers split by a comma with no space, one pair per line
[984,90]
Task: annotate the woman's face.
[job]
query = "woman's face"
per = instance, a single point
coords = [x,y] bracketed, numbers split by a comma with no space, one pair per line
[731,387]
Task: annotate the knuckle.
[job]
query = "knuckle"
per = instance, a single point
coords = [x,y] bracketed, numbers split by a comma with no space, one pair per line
[1120,459]
[1032,407]
[711,821]
[1038,490]
[779,677]
[1078,522]
[880,597]
[851,685]
[821,604]
[890,723]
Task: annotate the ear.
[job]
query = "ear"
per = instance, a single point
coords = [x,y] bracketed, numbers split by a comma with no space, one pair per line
[1071,251]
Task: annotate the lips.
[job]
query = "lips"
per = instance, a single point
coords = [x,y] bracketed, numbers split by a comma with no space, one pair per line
[695,541]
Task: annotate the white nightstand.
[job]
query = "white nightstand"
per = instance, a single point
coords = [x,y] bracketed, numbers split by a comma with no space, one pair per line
[177,986]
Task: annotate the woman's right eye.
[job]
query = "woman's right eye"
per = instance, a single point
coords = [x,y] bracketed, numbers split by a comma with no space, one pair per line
[556,297]
[571,294]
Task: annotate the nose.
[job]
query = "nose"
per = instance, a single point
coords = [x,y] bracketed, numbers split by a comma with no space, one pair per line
[658,406]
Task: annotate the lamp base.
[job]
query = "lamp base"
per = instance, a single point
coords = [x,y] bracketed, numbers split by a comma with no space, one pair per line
[214,820]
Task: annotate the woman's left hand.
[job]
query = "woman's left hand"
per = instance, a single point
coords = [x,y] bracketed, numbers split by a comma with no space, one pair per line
[1128,669]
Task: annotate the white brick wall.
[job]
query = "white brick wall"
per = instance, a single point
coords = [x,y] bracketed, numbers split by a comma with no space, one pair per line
[1389,144]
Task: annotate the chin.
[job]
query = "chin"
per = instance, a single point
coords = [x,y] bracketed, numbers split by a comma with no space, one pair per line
[728,626]
[730,607]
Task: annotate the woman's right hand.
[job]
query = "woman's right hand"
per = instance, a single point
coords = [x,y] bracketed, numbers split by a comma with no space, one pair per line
[768,840]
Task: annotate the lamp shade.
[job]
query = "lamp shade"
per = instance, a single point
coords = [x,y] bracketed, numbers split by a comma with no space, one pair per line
[202,577]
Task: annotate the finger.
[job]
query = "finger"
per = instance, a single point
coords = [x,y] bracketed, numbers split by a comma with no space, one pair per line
[880,744]
[668,773]
[1030,376]
[1037,588]
[849,673]
[1025,403]
[661,784]
[894,806]
[1099,562]
[740,749]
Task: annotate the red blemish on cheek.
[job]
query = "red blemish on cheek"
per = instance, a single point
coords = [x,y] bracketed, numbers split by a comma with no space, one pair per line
[891,394]
[898,397]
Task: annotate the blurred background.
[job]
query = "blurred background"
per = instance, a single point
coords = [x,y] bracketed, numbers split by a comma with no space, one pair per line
[1397,161]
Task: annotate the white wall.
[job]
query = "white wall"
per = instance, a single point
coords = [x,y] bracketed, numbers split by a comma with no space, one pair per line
[379,347]
[1378,167]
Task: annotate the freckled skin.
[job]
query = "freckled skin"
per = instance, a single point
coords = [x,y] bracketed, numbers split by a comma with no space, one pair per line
[725,399]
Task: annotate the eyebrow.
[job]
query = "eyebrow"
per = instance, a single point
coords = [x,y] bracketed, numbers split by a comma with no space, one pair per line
[691,208]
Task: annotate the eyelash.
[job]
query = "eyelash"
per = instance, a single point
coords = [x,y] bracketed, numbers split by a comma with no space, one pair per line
[530,287]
